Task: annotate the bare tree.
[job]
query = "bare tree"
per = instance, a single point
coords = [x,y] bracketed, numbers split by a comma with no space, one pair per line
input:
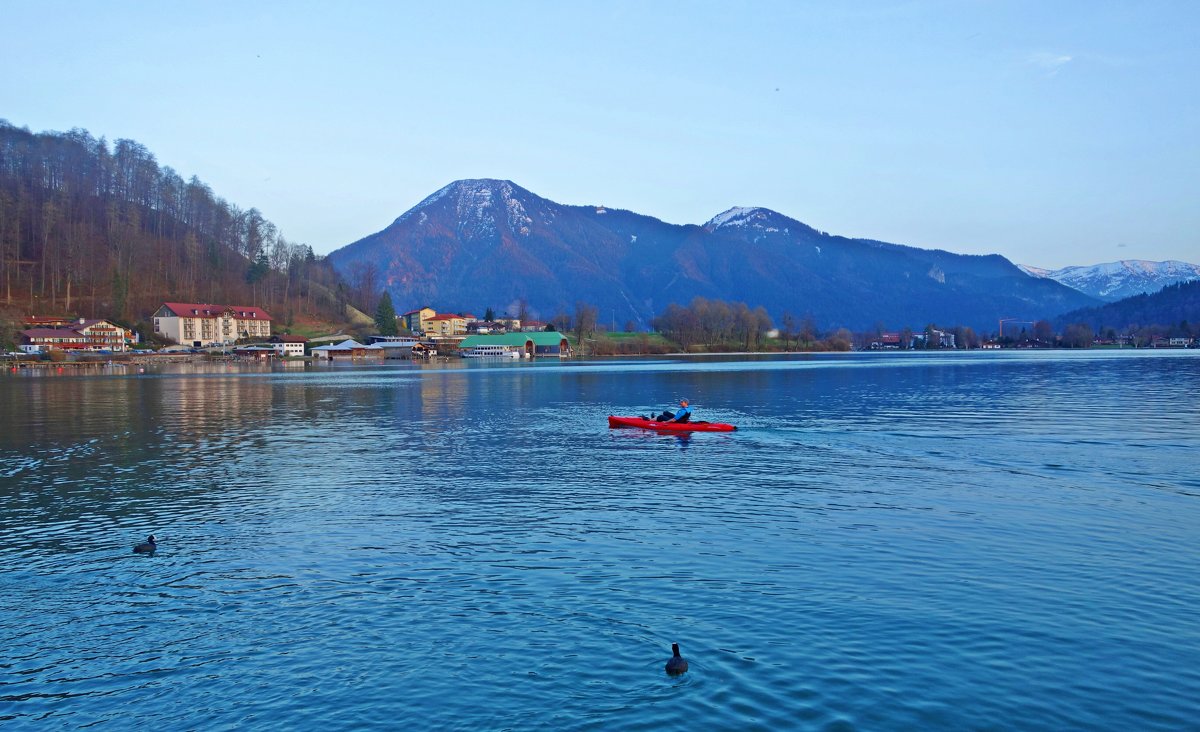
[585,322]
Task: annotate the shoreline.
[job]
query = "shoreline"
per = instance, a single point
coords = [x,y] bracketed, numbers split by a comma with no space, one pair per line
[141,363]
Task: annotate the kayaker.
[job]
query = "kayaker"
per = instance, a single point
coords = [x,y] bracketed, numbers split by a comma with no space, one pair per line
[683,415]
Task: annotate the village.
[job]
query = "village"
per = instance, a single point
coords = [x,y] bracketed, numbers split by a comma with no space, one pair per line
[245,332]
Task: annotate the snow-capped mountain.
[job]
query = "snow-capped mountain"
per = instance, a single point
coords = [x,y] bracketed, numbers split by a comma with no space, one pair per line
[476,244]
[763,220]
[1114,281]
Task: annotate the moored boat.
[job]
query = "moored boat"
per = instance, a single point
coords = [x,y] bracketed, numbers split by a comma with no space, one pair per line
[490,351]
[651,424]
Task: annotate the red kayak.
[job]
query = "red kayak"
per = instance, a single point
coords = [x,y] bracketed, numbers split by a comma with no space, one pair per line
[650,424]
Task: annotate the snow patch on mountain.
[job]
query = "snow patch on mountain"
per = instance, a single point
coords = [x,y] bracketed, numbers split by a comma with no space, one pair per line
[475,208]
[1118,280]
[479,205]
[758,219]
[518,220]
[738,216]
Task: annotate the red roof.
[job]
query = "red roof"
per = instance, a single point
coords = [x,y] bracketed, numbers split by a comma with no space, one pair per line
[89,322]
[198,310]
[52,333]
[448,316]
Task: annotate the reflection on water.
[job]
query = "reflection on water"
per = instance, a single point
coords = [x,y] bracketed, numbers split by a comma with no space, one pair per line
[890,541]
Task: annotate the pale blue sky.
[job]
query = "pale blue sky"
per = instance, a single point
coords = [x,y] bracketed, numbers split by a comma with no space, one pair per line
[1053,133]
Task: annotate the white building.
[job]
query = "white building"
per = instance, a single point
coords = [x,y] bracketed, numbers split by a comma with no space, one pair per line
[289,346]
[197,325]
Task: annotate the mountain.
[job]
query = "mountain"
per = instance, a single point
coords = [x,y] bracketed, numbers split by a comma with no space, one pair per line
[1114,281]
[1175,309]
[490,243]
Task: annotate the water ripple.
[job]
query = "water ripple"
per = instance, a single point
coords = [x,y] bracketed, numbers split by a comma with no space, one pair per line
[888,542]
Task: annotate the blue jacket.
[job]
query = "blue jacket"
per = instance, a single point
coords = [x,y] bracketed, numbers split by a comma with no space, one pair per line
[682,411]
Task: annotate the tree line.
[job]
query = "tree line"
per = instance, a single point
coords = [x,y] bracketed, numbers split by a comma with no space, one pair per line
[102,230]
[1173,311]
[710,323]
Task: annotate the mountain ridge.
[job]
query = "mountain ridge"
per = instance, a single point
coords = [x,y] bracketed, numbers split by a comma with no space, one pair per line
[1113,281]
[485,242]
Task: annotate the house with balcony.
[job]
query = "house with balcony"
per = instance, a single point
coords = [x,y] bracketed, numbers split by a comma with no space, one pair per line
[84,334]
[446,325]
[200,325]
[105,336]
[416,320]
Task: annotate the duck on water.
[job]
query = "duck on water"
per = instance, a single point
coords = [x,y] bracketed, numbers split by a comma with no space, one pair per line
[677,664]
[146,547]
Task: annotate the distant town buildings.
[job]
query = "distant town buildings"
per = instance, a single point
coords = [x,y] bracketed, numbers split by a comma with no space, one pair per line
[894,341]
[504,334]
[886,341]
[943,339]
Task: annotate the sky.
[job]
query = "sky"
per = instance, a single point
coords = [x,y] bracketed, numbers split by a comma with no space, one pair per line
[1053,133]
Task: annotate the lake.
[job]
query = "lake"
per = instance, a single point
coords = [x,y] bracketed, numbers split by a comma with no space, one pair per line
[888,542]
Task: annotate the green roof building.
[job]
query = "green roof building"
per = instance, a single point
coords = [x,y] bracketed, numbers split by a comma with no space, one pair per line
[543,343]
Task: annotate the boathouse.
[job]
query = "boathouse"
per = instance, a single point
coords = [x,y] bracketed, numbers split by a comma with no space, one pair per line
[546,343]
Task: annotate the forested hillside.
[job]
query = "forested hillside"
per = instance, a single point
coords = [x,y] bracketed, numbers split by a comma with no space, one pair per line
[95,229]
[1173,311]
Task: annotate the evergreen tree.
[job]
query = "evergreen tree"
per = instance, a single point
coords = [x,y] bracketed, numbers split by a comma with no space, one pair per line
[385,316]
[258,270]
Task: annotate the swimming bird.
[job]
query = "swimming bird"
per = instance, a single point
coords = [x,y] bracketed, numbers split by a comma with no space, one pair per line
[148,547]
[678,664]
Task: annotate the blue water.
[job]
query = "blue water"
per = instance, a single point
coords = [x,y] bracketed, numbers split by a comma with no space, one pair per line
[889,542]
